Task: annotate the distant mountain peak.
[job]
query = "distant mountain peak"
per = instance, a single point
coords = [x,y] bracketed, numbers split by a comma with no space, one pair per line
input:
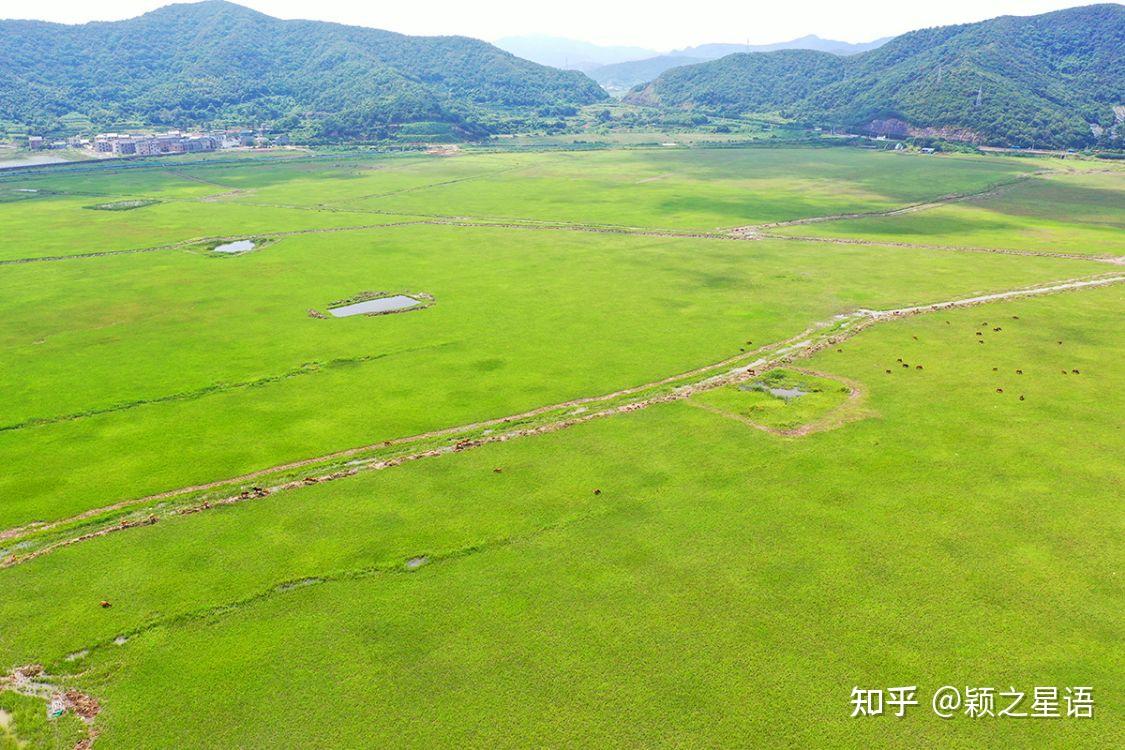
[1046,80]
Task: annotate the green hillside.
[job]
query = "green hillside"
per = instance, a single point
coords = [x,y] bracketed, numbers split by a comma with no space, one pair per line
[620,77]
[1048,80]
[214,61]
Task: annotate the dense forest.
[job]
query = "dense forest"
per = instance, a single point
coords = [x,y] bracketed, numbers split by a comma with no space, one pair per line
[216,62]
[1055,80]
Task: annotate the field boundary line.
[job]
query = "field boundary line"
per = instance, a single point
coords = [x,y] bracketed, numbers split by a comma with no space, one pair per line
[1117,260]
[986,192]
[306,368]
[532,225]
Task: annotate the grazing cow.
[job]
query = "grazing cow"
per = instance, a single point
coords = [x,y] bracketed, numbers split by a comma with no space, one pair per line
[999,390]
[997,329]
[979,333]
[597,492]
[1076,372]
[497,470]
[906,365]
[888,372]
[994,369]
[1021,398]
[104,604]
[1019,372]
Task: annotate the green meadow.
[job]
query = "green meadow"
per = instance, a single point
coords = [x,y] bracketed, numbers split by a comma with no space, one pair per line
[1070,212]
[712,566]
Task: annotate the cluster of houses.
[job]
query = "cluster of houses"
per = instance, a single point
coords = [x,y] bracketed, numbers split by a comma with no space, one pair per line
[153,144]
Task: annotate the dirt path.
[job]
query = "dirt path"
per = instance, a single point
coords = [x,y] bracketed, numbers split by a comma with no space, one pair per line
[150,509]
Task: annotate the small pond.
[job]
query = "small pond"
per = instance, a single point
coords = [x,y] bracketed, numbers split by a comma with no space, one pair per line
[383,304]
[240,246]
[785,393]
[30,161]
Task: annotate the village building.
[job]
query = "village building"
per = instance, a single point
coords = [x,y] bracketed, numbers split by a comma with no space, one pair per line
[173,142]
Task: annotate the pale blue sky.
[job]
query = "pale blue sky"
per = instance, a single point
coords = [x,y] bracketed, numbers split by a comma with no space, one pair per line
[656,25]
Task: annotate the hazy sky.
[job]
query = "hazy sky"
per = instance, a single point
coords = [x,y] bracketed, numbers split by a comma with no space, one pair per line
[649,24]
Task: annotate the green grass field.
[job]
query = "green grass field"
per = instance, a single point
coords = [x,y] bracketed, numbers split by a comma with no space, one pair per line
[596,535]
[1071,212]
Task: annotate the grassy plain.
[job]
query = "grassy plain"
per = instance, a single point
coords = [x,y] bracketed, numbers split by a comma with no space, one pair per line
[724,585]
[1071,212]
[224,372]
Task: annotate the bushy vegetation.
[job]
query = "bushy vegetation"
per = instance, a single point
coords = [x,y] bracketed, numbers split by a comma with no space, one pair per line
[216,62]
[1048,80]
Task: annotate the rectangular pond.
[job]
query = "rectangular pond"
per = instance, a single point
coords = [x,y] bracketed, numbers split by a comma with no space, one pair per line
[783,393]
[238,246]
[381,305]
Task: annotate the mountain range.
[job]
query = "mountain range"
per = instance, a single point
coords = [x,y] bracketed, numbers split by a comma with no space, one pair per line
[570,54]
[212,61]
[1056,79]
[619,77]
[810,41]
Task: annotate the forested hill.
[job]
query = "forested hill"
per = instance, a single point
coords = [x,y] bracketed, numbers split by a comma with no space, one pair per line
[1056,79]
[201,63]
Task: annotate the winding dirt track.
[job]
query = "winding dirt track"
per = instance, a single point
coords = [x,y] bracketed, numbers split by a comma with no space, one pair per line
[577,411]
